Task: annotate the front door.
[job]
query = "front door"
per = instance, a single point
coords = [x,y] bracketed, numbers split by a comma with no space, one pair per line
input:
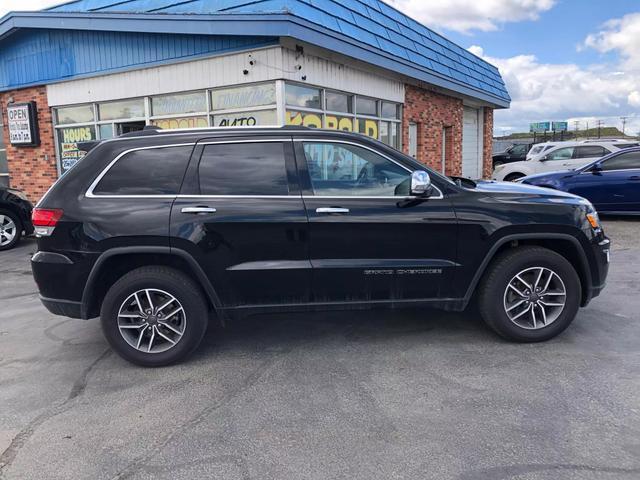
[368,240]
[241,216]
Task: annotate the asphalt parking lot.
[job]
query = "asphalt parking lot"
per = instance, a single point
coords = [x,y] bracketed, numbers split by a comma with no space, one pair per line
[407,394]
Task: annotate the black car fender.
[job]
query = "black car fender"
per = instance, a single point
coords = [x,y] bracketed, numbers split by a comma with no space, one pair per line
[584,263]
[89,290]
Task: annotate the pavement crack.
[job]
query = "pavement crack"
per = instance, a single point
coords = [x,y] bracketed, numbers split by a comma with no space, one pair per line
[11,452]
[140,463]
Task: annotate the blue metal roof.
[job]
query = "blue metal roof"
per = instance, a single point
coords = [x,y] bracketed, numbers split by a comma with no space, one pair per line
[371,31]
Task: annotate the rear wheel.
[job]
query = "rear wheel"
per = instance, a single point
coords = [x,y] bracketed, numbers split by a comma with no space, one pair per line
[512,177]
[10,230]
[154,316]
[530,294]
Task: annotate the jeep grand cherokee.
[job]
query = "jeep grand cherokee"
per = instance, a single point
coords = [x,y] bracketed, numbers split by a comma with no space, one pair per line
[157,232]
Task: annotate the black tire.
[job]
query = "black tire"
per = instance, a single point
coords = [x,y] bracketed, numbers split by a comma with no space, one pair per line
[503,269]
[512,177]
[18,230]
[175,283]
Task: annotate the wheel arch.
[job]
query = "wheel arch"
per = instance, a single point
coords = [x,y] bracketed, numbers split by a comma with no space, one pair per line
[563,243]
[114,263]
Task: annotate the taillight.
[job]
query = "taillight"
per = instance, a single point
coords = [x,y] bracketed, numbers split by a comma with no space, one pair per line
[45,220]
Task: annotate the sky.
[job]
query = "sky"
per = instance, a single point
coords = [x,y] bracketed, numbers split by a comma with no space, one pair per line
[562,60]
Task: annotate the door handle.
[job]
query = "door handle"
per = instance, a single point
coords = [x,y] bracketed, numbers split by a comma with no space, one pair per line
[332,210]
[197,210]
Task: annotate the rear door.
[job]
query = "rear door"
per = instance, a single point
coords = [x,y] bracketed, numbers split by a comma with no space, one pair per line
[615,188]
[368,241]
[585,155]
[240,215]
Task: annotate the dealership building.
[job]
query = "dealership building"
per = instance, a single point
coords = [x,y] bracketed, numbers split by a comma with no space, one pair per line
[94,69]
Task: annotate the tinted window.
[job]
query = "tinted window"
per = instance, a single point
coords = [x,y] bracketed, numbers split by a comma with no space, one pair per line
[518,150]
[243,169]
[155,171]
[626,145]
[592,151]
[561,154]
[348,170]
[625,161]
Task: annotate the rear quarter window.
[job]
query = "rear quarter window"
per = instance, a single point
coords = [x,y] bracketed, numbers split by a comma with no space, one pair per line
[152,171]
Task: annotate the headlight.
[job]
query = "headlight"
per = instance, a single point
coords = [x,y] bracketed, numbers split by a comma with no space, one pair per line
[498,168]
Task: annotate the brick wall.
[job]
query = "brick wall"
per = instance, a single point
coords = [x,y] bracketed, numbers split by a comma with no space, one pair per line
[434,112]
[488,143]
[437,115]
[31,169]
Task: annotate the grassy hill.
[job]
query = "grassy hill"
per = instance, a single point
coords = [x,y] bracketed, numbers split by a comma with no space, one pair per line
[591,133]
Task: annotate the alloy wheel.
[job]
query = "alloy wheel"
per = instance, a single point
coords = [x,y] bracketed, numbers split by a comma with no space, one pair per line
[535,298]
[152,321]
[7,230]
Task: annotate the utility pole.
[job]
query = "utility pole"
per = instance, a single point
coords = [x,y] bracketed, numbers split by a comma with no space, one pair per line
[576,124]
[599,123]
[624,123]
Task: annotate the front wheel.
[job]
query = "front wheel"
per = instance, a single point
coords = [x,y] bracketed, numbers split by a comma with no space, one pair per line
[154,316]
[530,294]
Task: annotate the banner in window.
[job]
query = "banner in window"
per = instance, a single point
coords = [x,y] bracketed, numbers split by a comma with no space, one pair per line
[184,122]
[245,119]
[333,122]
[68,139]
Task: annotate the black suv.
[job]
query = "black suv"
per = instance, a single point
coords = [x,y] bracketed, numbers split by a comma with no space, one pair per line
[157,232]
[15,217]
[515,153]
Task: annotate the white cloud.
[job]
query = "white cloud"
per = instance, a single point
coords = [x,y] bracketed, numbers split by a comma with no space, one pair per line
[7,6]
[468,15]
[621,35]
[543,91]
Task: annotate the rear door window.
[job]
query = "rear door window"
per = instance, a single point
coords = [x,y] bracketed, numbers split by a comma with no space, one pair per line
[243,169]
[591,151]
[150,171]
[624,161]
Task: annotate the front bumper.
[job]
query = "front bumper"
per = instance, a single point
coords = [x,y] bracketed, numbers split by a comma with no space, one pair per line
[602,256]
[64,308]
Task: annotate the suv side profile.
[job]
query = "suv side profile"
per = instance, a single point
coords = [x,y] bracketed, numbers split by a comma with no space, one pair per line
[158,232]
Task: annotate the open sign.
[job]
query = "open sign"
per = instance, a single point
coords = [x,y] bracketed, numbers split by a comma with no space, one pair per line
[23,124]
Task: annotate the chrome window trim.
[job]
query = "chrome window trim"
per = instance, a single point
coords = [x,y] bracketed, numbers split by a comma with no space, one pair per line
[277,197]
[89,193]
[346,142]
[607,171]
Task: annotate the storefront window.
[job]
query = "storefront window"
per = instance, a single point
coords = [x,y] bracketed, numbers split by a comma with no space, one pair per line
[245,119]
[339,102]
[180,122]
[106,131]
[335,122]
[81,114]
[68,139]
[179,104]
[390,110]
[368,127]
[122,110]
[241,97]
[367,106]
[299,96]
[305,119]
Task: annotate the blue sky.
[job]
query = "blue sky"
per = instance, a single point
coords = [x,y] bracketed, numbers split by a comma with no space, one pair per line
[573,60]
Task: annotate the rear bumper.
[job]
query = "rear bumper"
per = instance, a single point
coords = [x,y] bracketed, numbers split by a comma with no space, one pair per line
[64,308]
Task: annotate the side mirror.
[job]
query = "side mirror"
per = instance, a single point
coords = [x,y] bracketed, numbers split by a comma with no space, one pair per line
[420,184]
[545,158]
[597,168]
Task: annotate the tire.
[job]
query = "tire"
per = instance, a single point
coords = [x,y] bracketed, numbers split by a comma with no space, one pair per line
[157,344]
[512,177]
[495,295]
[10,230]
